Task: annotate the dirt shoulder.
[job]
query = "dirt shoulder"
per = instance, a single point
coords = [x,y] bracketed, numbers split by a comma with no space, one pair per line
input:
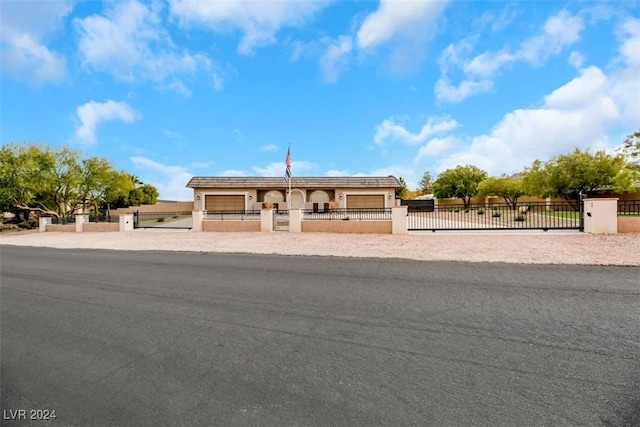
[529,248]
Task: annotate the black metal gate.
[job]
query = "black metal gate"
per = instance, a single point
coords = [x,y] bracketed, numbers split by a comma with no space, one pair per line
[545,216]
[163,220]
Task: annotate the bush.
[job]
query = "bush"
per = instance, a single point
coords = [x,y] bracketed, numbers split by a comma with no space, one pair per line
[466,210]
[161,219]
[480,211]
[496,214]
[520,217]
[29,225]
[456,210]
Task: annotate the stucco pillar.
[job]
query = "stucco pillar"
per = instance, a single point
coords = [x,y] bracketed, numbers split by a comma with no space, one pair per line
[266,220]
[198,216]
[43,221]
[601,216]
[126,222]
[295,220]
[399,220]
[80,219]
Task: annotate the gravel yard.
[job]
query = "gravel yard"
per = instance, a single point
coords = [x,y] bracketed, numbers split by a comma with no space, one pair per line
[509,247]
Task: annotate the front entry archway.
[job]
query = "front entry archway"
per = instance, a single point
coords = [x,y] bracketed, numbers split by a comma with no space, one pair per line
[297,199]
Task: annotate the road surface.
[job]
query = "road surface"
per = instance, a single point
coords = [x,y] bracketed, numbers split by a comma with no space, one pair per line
[163,338]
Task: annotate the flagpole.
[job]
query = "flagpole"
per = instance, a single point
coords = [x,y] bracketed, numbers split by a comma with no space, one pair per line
[289,196]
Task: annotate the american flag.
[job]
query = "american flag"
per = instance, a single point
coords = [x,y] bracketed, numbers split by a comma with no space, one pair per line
[287,161]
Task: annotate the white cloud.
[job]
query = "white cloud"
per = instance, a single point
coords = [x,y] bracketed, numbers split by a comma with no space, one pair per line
[398,18]
[446,92]
[23,54]
[436,146]
[298,168]
[129,41]
[574,115]
[170,181]
[576,59]
[178,86]
[93,113]
[270,147]
[233,172]
[388,130]
[334,58]
[559,32]
[259,21]
[625,84]
[336,172]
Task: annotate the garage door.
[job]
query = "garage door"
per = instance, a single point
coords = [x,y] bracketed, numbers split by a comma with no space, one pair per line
[224,203]
[365,201]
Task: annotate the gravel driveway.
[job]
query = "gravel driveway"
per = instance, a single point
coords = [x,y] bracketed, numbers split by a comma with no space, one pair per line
[510,247]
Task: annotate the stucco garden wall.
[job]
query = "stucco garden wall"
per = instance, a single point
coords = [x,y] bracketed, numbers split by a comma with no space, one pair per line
[360,227]
[628,224]
[230,226]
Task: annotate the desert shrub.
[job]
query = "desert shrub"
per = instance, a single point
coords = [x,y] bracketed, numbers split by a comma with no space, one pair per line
[480,211]
[161,219]
[496,214]
[466,210]
[456,210]
[29,224]
[519,217]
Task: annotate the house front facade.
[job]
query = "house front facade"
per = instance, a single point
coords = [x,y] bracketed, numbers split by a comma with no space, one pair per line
[314,193]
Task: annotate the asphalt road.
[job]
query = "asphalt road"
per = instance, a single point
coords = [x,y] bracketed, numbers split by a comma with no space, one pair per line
[159,338]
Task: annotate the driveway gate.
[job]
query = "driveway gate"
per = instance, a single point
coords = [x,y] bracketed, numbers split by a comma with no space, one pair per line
[166,220]
[563,215]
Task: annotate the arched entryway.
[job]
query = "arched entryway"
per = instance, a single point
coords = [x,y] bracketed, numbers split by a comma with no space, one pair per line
[297,199]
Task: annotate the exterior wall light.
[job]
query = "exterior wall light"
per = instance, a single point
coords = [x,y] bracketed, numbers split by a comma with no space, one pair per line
[250,197]
[198,197]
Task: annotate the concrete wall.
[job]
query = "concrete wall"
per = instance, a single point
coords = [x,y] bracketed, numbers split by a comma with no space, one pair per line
[600,216]
[100,226]
[628,224]
[360,227]
[68,228]
[230,226]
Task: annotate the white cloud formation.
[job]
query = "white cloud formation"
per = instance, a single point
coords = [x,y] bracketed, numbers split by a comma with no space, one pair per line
[93,113]
[170,181]
[559,32]
[625,84]
[129,41]
[574,115]
[447,92]
[336,172]
[398,18]
[23,54]
[389,131]
[333,59]
[259,21]
[270,147]
[298,168]
[233,172]
[436,147]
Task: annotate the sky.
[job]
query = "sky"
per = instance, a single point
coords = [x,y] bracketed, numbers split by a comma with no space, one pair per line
[167,90]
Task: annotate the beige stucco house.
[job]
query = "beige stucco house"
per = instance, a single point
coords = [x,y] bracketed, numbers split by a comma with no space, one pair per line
[217,193]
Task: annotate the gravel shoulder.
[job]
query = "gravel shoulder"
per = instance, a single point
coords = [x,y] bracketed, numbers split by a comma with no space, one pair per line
[527,248]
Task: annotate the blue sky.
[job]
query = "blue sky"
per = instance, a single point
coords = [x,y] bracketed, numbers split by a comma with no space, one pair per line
[171,89]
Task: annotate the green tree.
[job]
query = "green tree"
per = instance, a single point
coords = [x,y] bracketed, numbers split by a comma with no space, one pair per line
[145,194]
[631,148]
[510,189]
[401,191]
[579,172]
[426,184]
[461,181]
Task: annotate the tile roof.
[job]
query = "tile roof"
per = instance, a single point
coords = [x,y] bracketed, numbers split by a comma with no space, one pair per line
[297,182]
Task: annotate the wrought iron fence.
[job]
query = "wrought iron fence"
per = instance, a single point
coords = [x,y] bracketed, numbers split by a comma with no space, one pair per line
[63,220]
[102,216]
[536,215]
[243,215]
[357,214]
[178,219]
[629,207]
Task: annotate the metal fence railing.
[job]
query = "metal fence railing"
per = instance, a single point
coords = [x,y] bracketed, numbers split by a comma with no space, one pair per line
[243,215]
[102,216]
[536,215]
[629,207]
[357,214]
[63,220]
[179,219]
